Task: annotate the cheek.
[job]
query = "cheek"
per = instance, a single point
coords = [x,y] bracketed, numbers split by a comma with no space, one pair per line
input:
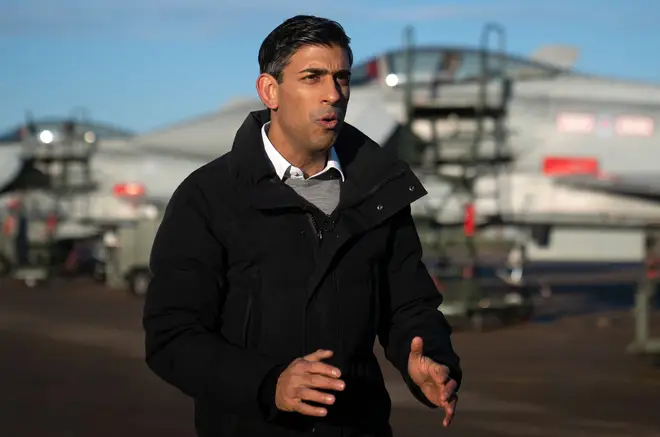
[295,117]
[299,112]
[294,104]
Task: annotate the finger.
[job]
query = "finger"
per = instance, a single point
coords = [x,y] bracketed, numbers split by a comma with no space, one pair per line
[449,391]
[320,368]
[321,354]
[308,394]
[439,373]
[416,347]
[309,410]
[450,411]
[322,382]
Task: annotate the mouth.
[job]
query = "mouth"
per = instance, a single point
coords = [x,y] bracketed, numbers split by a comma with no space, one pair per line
[329,121]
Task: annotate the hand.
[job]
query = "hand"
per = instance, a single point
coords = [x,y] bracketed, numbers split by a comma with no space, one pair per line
[298,383]
[433,379]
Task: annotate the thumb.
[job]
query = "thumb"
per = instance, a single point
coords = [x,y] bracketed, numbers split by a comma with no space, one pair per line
[319,355]
[416,347]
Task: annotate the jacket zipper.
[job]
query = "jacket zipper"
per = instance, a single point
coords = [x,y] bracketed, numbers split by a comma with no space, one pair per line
[319,237]
[319,234]
[312,221]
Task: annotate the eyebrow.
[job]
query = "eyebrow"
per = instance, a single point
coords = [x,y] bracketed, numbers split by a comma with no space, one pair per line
[321,71]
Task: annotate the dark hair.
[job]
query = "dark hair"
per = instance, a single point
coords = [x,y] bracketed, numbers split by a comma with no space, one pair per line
[302,30]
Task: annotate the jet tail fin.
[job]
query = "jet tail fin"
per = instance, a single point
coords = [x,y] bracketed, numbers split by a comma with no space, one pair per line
[562,56]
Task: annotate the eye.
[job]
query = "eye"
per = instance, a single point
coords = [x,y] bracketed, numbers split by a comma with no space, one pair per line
[343,78]
[311,78]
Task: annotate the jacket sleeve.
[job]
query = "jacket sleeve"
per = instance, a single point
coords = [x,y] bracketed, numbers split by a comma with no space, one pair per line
[412,307]
[182,312]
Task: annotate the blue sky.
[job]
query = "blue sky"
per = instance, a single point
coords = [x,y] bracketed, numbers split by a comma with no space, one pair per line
[144,63]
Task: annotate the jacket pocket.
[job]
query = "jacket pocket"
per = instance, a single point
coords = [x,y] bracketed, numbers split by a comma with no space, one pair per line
[253,308]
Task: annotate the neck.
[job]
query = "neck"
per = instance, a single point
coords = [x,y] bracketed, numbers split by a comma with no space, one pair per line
[309,162]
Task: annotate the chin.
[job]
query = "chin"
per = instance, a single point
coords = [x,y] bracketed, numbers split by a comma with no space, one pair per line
[325,142]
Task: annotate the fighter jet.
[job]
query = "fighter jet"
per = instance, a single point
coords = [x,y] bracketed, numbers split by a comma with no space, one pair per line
[546,147]
[572,146]
[577,144]
[567,154]
[120,172]
[140,170]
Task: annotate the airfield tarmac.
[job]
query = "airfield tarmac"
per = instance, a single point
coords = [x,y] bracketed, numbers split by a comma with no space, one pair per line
[71,366]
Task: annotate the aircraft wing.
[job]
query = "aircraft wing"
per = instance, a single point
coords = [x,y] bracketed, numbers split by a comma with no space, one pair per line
[646,187]
[208,136]
[204,136]
[367,111]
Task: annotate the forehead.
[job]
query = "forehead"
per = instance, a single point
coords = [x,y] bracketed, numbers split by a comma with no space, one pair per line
[317,56]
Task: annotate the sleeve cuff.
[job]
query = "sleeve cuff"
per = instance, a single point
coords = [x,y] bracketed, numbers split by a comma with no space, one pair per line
[267,393]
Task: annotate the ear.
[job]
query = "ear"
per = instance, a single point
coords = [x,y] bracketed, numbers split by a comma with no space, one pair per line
[267,88]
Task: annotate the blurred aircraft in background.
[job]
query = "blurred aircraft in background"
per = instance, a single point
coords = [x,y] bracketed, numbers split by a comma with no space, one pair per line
[573,147]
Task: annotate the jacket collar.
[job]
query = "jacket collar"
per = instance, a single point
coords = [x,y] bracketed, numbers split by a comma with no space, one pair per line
[364,163]
[282,166]
[249,161]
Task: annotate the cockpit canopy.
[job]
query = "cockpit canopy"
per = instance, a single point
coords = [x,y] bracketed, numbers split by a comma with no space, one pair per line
[449,64]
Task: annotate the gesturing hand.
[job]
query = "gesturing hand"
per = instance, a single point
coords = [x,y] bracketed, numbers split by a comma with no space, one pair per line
[298,383]
[433,379]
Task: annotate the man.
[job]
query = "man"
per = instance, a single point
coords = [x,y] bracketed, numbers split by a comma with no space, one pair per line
[278,264]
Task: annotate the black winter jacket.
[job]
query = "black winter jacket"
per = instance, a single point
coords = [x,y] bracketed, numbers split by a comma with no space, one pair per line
[248,276]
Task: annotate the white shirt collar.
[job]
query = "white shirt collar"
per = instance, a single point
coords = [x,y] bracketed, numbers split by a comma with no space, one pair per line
[282,165]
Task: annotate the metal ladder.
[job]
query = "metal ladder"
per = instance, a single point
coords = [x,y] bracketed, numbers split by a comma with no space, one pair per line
[475,112]
[66,163]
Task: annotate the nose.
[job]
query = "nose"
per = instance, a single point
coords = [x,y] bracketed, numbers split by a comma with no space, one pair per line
[332,92]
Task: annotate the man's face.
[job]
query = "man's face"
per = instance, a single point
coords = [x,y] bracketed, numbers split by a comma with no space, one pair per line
[312,98]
